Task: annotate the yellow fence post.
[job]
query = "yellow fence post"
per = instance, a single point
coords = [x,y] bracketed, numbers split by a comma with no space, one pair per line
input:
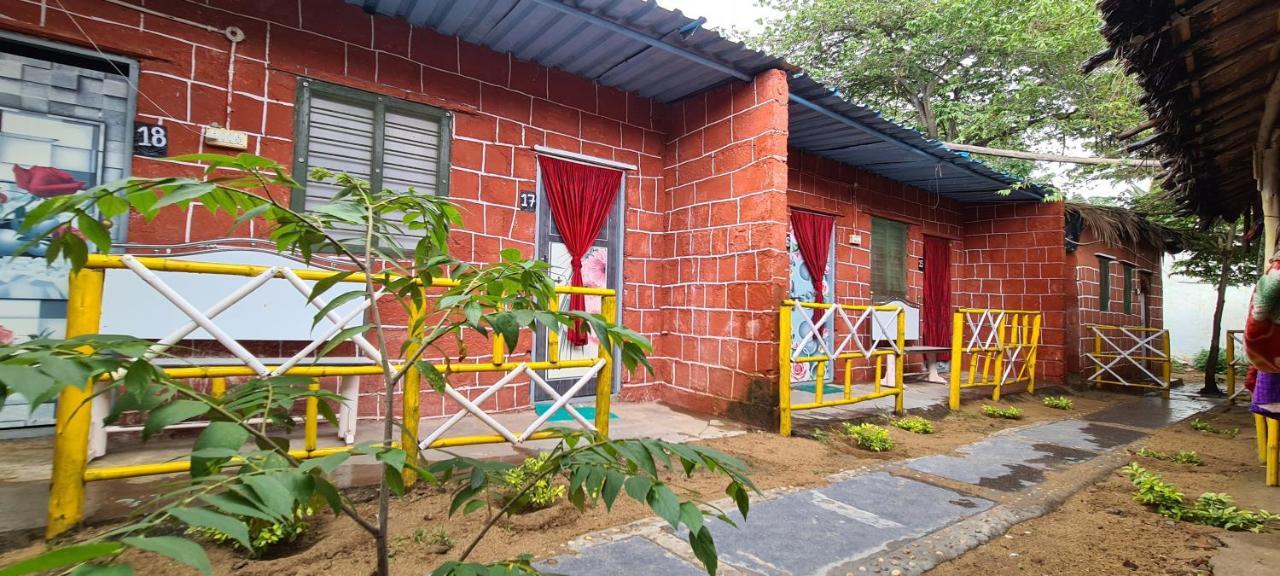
[1033,356]
[604,381]
[217,387]
[784,370]
[411,398]
[1260,431]
[74,412]
[957,358]
[899,359]
[1273,451]
[310,424]
[1097,354]
[1003,326]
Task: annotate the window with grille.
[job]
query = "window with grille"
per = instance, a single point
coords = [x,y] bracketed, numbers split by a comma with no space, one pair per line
[888,259]
[1104,283]
[390,143]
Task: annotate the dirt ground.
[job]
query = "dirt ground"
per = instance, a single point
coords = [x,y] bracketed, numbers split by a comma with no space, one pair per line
[1102,530]
[338,546]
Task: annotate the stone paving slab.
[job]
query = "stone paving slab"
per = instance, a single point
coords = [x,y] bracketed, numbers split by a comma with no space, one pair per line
[1079,435]
[875,522]
[1005,463]
[632,556]
[1152,412]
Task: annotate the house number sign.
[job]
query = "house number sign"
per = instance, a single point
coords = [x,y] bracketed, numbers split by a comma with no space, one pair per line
[150,140]
[527,201]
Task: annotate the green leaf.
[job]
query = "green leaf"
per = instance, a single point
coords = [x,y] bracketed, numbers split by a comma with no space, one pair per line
[705,549]
[172,413]
[183,192]
[613,481]
[62,557]
[326,464]
[691,516]
[664,503]
[334,304]
[203,518]
[228,435]
[103,570]
[94,231]
[393,458]
[28,381]
[740,497]
[343,336]
[179,549]
[272,494]
[232,503]
[638,488]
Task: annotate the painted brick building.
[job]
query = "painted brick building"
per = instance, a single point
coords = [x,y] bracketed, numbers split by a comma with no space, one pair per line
[717,143]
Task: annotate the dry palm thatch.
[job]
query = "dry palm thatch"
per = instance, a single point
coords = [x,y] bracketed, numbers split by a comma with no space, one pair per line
[1116,226]
[1205,66]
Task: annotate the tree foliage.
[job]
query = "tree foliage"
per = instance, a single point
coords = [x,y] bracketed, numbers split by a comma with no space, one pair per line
[242,469]
[1002,73]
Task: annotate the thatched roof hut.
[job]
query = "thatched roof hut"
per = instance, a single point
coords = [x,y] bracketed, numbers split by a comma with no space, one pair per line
[1208,68]
[1117,226]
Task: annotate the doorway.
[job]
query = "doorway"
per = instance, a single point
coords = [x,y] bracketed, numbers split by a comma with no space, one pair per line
[803,374]
[601,268]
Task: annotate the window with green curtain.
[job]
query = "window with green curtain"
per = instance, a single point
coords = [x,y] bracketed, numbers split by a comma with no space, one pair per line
[888,259]
[1128,287]
[388,142]
[1104,283]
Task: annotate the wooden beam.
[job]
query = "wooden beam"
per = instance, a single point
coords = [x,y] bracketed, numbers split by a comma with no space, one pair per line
[1050,157]
[1143,127]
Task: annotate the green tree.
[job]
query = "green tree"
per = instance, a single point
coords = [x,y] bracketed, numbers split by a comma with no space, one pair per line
[241,469]
[1000,73]
[1221,254]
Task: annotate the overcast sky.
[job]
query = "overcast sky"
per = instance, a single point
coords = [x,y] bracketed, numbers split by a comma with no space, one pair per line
[723,14]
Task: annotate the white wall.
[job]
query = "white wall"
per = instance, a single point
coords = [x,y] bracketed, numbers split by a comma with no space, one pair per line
[1188,311]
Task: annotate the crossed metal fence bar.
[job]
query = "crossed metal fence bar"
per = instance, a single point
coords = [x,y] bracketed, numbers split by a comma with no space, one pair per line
[857,341]
[1130,356]
[993,348]
[1236,362]
[81,434]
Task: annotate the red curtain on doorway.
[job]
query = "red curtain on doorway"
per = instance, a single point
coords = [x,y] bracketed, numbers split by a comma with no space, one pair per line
[813,235]
[580,197]
[936,329]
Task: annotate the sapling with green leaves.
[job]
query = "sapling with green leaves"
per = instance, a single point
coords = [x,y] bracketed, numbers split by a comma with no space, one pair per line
[241,470]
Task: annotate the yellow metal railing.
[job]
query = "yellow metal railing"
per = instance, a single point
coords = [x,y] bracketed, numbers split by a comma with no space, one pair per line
[857,343]
[993,348]
[1119,351]
[75,416]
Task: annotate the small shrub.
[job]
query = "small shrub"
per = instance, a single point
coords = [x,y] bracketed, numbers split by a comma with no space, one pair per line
[1009,413]
[1201,360]
[1202,426]
[437,538]
[544,493]
[1211,508]
[1059,402]
[869,436]
[1180,457]
[263,534]
[914,424]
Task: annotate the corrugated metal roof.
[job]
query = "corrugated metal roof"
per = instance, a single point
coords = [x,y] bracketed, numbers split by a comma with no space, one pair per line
[640,47]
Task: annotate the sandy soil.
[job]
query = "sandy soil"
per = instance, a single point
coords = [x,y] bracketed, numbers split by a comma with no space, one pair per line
[1102,530]
[338,546]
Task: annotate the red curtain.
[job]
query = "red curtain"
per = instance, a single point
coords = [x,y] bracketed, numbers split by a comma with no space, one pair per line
[813,235]
[937,292]
[580,197]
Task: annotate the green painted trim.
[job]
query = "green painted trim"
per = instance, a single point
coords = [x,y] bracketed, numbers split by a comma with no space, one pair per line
[1128,288]
[1104,284]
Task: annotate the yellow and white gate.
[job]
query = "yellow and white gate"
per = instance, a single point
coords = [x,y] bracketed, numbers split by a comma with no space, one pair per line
[993,347]
[1134,356]
[851,338]
[81,434]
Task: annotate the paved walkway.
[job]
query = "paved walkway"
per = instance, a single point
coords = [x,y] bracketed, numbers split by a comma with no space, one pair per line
[901,518]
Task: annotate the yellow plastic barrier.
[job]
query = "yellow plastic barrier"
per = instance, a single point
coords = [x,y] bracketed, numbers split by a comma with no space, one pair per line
[859,342]
[74,414]
[1120,350]
[993,348]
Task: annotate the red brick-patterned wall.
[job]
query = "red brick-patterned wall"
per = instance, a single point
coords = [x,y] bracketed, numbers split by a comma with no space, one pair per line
[502,108]
[726,179]
[1014,260]
[1084,301]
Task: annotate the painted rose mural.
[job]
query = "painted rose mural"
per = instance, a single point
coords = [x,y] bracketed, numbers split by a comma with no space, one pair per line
[801,288]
